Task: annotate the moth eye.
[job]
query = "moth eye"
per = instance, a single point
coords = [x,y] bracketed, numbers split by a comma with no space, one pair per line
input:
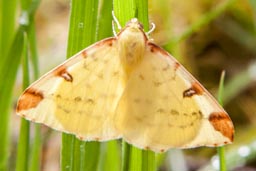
[140,25]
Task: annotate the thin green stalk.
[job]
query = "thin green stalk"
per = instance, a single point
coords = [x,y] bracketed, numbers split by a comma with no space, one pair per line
[35,157]
[221,150]
[136,159]
[9,64]
[67,152]
[239,83]
[23,142]
[75,154]
[222,159]
[8,71]
[110,156]
[23,147]
[221,88]
[7,33]
[33,48]
[126,148]
[142,13]
[125,10]
[104,21]
[133,158]
[7,25]
[148,160]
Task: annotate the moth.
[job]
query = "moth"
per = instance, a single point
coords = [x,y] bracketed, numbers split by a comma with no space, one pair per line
[127,87]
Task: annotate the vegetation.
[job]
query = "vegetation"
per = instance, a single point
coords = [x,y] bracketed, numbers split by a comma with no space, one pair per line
[206,36]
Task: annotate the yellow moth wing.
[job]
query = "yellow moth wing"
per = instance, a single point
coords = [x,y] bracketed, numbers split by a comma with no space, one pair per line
[163,106]
[127,87]
[80,95]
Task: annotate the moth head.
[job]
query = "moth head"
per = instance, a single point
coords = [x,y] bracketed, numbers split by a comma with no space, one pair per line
[134,24]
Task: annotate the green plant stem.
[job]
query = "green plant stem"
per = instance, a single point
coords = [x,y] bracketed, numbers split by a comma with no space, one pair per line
[110,156]
[148,160]
[239,83]
[9,64]
[133,158]
[8,71]
[35,157]
[75,154]
[23,143]
[125,156]
[222,160]
[221,150]
[7,33]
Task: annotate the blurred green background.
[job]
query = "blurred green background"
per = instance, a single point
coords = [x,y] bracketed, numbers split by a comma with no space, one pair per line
[206,36]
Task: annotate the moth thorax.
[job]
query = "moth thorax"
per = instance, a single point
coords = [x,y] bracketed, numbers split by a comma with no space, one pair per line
[131,47]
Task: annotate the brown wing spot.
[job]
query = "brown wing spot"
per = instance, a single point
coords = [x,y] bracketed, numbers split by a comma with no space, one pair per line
[109,42]
[162,150]
[161,110]
[84,53]
[115,73]
[62,72]
[176,66]
[142,77]
[137,100]
[58,96]
[196,89]
[154,48]
[174,112]
[22,115]
[157,83]
[30,99]
[100,75]
[147,148]
[222,123]
[78,99]
[91,101]
[166,67]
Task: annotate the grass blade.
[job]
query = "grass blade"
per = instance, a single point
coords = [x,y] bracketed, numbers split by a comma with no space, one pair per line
[126,148]
[9,71]
[7,33]
[221,150]
[110,156]
[75,154]
[133,158]
[23,143]
[35,157]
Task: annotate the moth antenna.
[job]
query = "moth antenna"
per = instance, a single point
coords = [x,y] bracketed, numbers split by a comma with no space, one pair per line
[116,21]
[113,28]
[153,26]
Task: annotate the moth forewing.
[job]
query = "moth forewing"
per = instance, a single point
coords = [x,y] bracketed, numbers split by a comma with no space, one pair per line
[127,87]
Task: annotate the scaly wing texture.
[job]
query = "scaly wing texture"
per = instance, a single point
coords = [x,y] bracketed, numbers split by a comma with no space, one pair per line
[163,106]
[79,96]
